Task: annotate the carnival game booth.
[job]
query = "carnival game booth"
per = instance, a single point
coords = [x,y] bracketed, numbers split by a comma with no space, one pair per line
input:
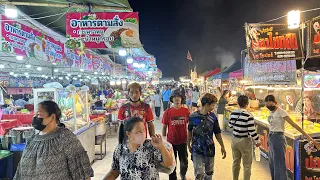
[280,79]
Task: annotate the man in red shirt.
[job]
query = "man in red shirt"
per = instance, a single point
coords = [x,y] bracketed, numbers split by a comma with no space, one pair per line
[175,119]
[137,108]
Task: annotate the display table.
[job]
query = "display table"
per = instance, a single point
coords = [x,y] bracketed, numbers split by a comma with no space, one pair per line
[22,117]
[7,125]
[86,136]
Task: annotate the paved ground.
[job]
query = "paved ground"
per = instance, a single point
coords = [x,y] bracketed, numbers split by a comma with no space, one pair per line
[223,167]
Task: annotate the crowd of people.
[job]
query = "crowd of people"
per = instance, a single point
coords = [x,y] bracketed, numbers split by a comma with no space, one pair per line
[190,124]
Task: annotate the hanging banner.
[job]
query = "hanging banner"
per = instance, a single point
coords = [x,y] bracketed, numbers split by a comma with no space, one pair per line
[20,39]
[72,58]
[273,72]
[86,61]
[314,38]
[102,30]
[273,42]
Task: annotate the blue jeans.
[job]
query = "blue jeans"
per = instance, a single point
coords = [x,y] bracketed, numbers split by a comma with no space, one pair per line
[277,151]
[203,167]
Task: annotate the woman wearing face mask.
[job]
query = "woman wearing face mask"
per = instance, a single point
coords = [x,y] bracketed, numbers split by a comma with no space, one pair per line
[137,157]
[55,153]
[277,140]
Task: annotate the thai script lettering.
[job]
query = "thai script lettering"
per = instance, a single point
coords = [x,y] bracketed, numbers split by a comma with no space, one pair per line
[115,22]
[17,39]
[91,32]
[97,39]
[71,55]
[286,42]
[312,178]
[53,54]
[312,163]
[19,32]
[54,46]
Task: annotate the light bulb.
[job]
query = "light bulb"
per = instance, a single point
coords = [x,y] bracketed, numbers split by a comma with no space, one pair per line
[19,58]
[11,11]
[28,66]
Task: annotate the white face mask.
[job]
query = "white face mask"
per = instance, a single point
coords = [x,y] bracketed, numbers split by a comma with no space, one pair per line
[139,138]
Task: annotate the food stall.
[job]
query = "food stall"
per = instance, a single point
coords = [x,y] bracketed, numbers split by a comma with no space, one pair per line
[75,113]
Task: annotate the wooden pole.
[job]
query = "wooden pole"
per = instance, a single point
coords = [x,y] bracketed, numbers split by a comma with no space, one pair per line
[66,5]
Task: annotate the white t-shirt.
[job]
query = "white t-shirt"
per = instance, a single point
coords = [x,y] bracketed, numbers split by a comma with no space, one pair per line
[157,100]
[276,120]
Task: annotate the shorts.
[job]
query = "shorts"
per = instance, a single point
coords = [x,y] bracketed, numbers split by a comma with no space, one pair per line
[188,102]
[194,104]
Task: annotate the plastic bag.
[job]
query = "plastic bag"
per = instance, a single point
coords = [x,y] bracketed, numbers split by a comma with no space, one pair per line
[168,170]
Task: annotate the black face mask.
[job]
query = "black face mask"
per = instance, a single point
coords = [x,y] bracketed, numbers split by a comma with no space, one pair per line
[134,101]
[271,108]
[37,123]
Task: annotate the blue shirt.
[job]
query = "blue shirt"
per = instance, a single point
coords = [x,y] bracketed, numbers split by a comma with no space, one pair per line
[20,102]
[166,95]
[203,127]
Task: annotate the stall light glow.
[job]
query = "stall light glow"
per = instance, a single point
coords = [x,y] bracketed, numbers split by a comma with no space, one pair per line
[19,58]
[55,70]
[27,76]
[129,60]
[79,75]
[122,52]
[1,66]
[26,73]
[74,78]
[224,84]
[261,91]
[81,79]
[67,77]
[60,78]
[39,68]
[81,70]
[118,82]
[11,11]
[243,81]
[131,82]
[256,87]
[11,73]
[293,19]
[233,92]
[112,83]
[68,74]
[142,65]
[124,81]
[28,66]
[95,73]
[102,73]
[43,76]
[54,63]
[135,65]
[15,75]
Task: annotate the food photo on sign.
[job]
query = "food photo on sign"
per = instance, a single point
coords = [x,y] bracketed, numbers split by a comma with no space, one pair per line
[273,42]
[314,38]
[309,161]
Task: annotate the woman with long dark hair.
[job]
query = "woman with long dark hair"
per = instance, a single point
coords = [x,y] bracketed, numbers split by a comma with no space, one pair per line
[55,153]
[137,157]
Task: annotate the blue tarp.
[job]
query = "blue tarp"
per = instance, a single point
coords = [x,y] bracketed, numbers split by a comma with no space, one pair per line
[225,73]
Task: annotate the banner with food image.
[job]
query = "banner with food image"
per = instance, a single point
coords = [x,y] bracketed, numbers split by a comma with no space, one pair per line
[102,30]
[72,58]
[312,80]
[273,42]
[4,79]
[314,38]
[23,40]
[86,61]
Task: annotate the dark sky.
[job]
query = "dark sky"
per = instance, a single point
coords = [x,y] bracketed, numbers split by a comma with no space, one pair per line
[211,29]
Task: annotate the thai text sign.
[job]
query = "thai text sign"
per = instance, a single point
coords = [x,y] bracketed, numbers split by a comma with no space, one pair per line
[102,30]
[271,72]
[314,38]
[22,40]
[312,80]
[273,42]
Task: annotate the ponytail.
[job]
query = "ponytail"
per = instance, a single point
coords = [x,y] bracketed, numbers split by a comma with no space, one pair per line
[121,133]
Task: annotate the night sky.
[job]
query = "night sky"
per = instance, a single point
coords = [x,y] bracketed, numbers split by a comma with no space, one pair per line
[211,29]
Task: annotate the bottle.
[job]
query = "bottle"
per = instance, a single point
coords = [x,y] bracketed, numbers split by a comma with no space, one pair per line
[257,153]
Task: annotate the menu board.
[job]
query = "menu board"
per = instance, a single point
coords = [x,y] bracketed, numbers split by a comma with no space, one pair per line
[273,42]
[314,38]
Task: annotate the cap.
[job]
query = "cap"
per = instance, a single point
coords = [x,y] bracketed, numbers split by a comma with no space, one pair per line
[175,94]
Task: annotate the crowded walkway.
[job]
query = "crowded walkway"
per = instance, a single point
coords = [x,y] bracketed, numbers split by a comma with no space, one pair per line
[222,168]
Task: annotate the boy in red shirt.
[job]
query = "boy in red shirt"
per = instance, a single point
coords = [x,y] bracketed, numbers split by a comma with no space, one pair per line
[137,108]
[176,120]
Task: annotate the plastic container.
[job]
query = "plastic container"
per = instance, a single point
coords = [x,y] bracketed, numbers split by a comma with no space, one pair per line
[257,153]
